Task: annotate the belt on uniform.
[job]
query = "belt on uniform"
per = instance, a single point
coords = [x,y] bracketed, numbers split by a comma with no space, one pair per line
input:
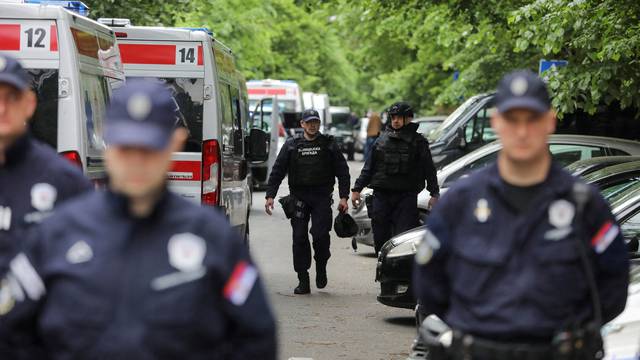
[466,346]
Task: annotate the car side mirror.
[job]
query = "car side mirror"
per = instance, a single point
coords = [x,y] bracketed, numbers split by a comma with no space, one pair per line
[258,145]
[462,141]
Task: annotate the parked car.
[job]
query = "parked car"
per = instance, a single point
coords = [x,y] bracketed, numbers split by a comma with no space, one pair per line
[621,334]
[342,129]
[469,127]
[395,260]
[616,179]
[566,149]
[587,166]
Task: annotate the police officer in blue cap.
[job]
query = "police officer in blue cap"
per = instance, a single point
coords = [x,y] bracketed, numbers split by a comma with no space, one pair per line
[312,162]
[137,272]
[521,259]
[33,177]
[398,165]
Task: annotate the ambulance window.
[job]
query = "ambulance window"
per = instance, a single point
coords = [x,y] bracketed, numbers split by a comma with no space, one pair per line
[44,124]
[227,118]
[189,96]
[95,91]
[238,137]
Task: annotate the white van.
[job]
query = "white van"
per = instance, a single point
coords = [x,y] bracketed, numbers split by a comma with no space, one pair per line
[75,65]
[288,93]
[201,73]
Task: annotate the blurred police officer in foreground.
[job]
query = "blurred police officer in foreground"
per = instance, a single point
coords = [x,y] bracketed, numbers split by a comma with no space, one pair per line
[312,161]
[396,169]
[521,259]
[137,272]
[33,177]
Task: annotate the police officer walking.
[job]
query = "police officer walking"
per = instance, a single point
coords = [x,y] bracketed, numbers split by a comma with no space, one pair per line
[33,177]
[396,169]
[312,161]
[137,272]
[521,259]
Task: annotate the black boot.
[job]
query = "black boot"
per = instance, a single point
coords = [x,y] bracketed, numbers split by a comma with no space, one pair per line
[321,276]
[303,284]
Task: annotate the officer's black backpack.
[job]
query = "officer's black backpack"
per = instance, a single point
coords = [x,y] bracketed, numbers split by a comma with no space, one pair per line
[345,226]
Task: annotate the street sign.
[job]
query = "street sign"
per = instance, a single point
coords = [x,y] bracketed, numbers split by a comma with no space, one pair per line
[550,65]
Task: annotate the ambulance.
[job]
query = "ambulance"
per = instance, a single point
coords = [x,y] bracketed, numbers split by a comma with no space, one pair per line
[201,73]
[75,65]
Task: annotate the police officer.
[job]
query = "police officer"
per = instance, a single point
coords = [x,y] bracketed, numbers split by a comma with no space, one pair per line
[33,177]
[137,272]
[396,169]
[521,259]
[312,161]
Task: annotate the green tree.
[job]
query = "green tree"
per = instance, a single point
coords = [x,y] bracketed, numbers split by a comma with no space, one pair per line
[142,12]
[601,41]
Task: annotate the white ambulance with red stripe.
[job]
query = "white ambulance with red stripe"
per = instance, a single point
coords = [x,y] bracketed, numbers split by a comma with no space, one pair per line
[201,73]
[75,64]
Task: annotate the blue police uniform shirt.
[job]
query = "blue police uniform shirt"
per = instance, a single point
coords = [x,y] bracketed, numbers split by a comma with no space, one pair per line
[33,180]
[104,284]
[489,270]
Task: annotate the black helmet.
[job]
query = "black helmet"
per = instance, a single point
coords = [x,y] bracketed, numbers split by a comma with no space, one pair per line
[345,226]
[401,108]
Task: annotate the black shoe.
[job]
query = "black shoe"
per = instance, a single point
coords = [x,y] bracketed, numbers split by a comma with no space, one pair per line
[321,277]
[303,284]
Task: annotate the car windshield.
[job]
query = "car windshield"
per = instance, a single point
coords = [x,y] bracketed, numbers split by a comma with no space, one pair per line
[426,127]
[450,121]
[44,124]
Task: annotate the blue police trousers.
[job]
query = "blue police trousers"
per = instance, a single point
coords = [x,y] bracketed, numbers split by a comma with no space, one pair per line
[317,207]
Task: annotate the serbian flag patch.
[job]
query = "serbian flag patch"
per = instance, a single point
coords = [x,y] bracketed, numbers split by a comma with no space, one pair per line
[240,283]
[604,237]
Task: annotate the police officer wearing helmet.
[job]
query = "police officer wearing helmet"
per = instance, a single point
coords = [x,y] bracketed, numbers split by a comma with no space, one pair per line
[312,161]
[137,272]
[396,169]
[521,259]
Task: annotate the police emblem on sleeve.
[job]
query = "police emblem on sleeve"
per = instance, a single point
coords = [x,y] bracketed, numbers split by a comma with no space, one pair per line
[79,252]
[429,246]
[6,298]
[561,213]
[43,196]
[186,252]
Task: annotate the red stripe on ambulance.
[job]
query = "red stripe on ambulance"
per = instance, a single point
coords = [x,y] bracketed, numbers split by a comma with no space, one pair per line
[185,170]
[10,37]
[148,54]
[267,91]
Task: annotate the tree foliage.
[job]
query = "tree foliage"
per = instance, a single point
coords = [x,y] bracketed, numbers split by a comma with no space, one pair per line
[369,53]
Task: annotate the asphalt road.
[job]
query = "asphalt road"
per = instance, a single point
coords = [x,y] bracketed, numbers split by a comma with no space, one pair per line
[342,321]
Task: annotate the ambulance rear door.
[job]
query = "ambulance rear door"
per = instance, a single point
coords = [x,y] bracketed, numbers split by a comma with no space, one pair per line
[180,65]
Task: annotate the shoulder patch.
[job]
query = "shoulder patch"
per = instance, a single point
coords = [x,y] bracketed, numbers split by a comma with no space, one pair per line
[240,283]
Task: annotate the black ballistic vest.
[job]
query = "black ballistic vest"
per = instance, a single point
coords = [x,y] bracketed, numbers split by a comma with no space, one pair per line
[311,163]
[397,162]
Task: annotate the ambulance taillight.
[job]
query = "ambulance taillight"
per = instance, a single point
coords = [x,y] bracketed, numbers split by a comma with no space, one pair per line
[74,157]
[211,173]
